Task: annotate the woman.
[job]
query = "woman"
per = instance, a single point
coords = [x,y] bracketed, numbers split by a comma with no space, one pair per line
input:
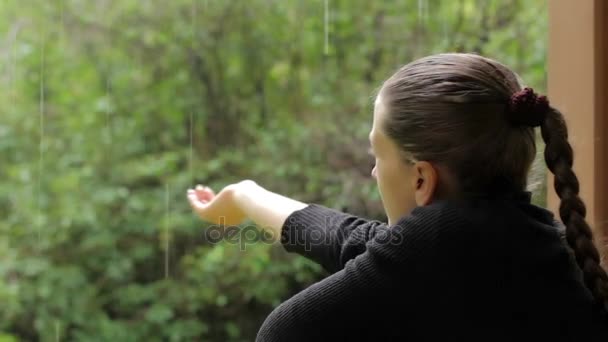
[465,255]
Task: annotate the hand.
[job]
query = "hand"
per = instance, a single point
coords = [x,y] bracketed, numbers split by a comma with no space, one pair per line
[218,209]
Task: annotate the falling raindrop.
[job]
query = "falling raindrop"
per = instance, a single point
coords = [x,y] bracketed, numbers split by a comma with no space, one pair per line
[56,331]
[191,122]
[62,34]
[190,157]
[422,10]
[167,231]
[446,34]
[108,106]
[193,17]
[14,70]
[326,25]
[41,146]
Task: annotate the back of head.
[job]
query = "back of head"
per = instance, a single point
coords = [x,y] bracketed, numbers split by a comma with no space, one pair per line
[473,116]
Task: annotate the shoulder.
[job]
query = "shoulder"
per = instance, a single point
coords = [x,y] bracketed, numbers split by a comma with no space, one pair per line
[323,309]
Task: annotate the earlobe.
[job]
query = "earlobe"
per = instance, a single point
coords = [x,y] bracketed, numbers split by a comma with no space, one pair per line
[426,183]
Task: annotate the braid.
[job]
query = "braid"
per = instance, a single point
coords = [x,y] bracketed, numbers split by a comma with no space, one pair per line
[572,210]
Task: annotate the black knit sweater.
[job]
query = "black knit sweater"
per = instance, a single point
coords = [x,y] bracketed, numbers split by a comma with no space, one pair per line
[492,269]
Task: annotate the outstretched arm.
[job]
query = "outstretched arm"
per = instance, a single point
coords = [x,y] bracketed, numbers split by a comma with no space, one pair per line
[324,235]
[239,201]
[267,209]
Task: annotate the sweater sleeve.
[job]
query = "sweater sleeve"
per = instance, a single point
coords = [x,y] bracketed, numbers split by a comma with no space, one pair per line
[328,236]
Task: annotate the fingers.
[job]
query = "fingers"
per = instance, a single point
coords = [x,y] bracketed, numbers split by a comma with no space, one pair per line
[200,197]
[205,194]
[194,200]
[206,189]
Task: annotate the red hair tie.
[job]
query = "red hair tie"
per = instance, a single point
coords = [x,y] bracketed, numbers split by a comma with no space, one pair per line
[527,108]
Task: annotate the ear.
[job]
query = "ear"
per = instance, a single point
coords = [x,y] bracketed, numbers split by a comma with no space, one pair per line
[426,179]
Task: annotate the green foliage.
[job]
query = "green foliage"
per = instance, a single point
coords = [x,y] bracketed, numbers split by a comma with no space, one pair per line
[109,111]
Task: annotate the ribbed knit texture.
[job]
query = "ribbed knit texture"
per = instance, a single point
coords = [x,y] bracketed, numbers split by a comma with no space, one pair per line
[480,269]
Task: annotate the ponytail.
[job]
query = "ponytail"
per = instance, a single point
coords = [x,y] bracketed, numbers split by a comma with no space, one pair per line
[528,109]
[572,210]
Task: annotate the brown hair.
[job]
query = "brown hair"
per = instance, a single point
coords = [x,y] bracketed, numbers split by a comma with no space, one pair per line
[456,110]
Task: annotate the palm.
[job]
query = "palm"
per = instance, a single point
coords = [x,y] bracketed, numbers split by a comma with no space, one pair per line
[218,209]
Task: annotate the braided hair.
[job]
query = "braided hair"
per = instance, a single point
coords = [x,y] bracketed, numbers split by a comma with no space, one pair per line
[527,108]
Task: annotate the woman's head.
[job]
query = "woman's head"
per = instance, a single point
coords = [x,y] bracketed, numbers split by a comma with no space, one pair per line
[456,125]
[449,110]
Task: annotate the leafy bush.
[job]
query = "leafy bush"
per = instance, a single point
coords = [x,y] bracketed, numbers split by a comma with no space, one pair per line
[111,110]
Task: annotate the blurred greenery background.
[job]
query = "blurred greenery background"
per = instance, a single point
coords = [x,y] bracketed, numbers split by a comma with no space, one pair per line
[110,110]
